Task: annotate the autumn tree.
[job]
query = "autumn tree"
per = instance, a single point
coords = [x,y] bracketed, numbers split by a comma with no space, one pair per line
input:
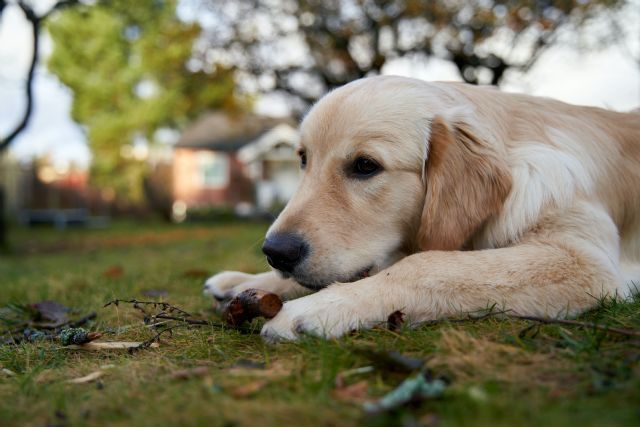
[131,71]
[341,40]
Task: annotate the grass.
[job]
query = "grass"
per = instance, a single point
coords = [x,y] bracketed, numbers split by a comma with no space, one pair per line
[502,373]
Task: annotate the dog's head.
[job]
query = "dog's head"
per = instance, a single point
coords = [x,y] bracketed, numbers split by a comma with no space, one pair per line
[383,176]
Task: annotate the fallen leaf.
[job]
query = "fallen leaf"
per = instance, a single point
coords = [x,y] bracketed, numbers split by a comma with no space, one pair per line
[87,378]
[249,389]
[196,273]
[49,314]
[113,272]
[354,393]
[183,374]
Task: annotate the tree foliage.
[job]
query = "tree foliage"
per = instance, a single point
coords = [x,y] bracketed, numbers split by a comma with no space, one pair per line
[343,40]
[136,67]
[129,67]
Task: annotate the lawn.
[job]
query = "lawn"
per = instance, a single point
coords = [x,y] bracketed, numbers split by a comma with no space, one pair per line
[499,372]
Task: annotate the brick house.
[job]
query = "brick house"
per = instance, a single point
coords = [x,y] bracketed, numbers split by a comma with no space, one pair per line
[209,169]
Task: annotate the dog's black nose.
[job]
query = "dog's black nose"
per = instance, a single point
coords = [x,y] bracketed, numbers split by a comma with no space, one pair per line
[284,251]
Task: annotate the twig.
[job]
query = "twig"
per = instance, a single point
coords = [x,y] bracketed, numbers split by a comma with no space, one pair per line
[470,317]
[591,325]
[197,322]
[183,316]
[16,336]
[155,338]
[202,322]
[81,321]
[36,22]
[136,304]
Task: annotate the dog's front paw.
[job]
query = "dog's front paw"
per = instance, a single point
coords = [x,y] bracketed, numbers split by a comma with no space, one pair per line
[326,314]
[226,284]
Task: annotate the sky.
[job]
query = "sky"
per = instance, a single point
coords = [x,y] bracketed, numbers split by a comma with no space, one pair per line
[607,78]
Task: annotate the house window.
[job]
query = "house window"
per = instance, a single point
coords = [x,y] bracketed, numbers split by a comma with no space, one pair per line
[214,169]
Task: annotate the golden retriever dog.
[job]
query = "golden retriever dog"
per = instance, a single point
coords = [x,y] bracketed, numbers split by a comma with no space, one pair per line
[438,199]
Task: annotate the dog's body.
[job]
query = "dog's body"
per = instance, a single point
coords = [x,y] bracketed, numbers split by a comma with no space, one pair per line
[437,199]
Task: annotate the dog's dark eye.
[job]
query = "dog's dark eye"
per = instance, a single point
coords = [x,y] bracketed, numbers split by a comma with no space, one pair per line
[364,167]
[303,159]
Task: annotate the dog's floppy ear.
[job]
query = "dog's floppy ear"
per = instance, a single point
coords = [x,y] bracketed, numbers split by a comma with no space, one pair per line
[466,183]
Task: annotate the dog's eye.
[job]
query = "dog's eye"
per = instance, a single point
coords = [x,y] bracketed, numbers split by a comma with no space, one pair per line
[303,159]
[364,167]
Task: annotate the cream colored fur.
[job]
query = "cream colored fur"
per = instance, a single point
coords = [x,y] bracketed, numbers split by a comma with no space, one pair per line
[485,198]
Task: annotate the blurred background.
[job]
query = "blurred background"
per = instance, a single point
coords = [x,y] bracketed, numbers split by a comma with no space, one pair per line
[187,110]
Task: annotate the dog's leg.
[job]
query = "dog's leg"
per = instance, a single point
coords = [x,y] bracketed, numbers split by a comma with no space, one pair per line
[228,284]
[551,273]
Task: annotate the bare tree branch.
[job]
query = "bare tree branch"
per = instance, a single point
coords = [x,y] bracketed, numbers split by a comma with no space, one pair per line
[35,33]
[36,22]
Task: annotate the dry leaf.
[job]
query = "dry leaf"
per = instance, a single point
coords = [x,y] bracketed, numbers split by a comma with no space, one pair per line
[113,272]
[183,374]
[49,314]
[196,273]
[249,389]
[354,393]
[87,378]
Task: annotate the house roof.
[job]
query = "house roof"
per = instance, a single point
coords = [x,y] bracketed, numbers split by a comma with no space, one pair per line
[225,132]
[282,133]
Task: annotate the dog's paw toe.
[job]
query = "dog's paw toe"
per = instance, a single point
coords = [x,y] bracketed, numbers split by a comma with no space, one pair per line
[221,285]
[276,333]
[311,315]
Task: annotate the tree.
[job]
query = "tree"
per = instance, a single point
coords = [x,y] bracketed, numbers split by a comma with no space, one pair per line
[130,68]
[342,40]
[35,21]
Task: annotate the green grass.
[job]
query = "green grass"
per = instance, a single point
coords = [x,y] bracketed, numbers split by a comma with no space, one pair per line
[501,374]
